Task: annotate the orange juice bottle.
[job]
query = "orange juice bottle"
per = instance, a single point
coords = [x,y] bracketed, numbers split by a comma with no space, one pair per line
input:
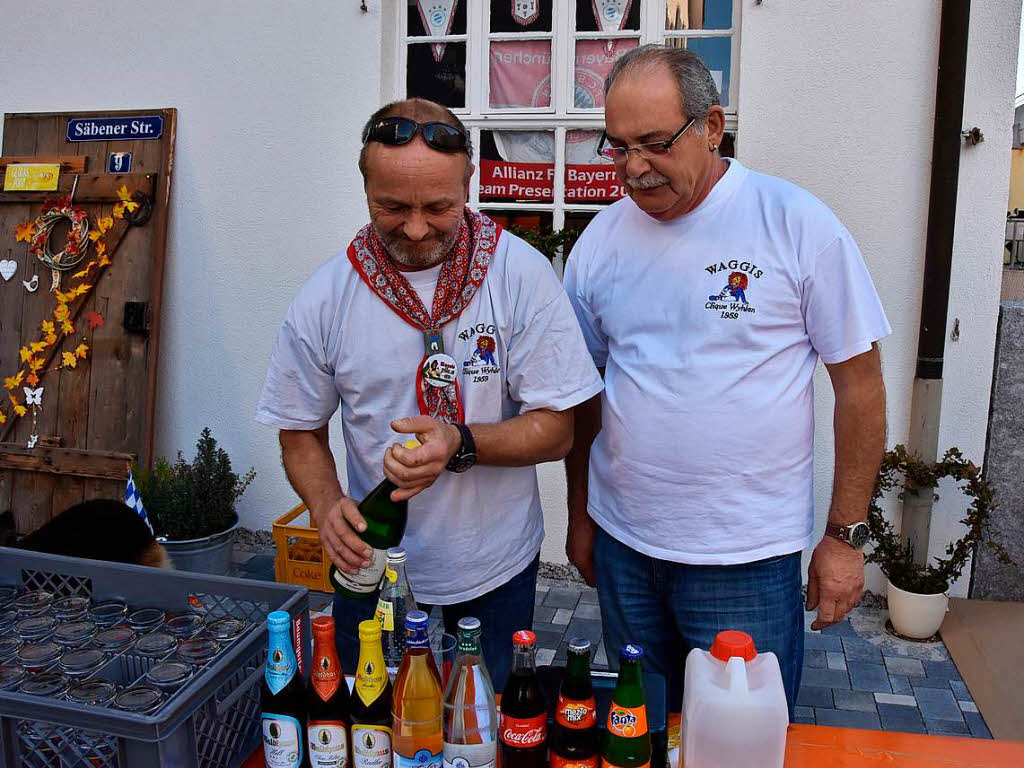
[417,708]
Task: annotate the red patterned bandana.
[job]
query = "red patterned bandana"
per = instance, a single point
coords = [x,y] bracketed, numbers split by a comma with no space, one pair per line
[437,390]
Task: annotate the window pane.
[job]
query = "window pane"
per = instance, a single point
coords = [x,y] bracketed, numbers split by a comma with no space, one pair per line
[588,12]
[517,166]
[533,226]
[435,17]
[716,52]
[589,178]
[520,15]
[698,14]
[444,80]
[594,60]
[520,74]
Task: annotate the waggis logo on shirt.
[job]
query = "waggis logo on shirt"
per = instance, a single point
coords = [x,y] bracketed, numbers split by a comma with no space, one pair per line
[733,280]
[483,354]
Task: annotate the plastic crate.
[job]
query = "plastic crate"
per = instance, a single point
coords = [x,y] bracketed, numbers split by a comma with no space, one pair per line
[300,558]
[212,721]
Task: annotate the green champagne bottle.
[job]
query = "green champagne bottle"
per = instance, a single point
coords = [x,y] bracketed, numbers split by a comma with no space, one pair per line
[385,526]
[628,742]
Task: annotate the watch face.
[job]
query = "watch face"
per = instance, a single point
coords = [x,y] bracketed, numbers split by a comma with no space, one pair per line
[462,462]
[859,534]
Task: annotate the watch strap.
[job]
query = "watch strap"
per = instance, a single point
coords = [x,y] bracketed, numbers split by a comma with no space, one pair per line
[465,455]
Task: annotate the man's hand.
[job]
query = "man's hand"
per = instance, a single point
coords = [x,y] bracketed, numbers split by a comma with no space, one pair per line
[579,546]
[416,469]
[338,526]
[835,581]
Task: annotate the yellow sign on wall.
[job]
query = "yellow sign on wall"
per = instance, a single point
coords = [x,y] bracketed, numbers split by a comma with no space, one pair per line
[31,177]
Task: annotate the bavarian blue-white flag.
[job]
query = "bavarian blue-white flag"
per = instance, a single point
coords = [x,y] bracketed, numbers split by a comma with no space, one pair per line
[133,500]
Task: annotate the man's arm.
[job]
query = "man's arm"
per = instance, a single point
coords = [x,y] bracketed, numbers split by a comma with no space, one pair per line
[579,539]
[530,438]
[309,465]
[835,578]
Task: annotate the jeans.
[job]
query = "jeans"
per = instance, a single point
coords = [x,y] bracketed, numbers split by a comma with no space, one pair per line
[501,611]
[670,608]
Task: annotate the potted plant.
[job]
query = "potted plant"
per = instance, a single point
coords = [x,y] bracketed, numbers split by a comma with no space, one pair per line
[917,593]
[192,505]
[548,242]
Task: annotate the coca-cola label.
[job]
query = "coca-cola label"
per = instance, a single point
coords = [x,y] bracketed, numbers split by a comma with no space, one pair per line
[523,732]
[576,714]
[557,761]
[628,722]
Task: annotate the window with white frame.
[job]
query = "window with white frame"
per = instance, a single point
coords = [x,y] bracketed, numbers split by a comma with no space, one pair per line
[527,79]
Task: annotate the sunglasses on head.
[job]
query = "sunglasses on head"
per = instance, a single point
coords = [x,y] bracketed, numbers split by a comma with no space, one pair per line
[401,130]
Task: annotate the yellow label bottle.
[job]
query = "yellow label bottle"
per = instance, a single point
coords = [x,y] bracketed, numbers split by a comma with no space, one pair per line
[371,704]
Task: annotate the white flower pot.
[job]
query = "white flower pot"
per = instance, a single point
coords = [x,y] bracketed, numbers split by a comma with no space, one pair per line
[916,616]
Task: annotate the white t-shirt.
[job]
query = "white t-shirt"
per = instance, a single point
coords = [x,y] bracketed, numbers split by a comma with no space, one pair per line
[710,326]
[468,533]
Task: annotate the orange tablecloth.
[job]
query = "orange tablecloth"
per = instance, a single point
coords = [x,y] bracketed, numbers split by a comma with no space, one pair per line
[814,746]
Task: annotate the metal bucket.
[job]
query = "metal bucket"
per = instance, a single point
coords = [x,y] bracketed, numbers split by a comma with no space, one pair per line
[210,554]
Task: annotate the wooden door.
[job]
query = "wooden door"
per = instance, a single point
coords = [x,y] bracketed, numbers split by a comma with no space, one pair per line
[97,416]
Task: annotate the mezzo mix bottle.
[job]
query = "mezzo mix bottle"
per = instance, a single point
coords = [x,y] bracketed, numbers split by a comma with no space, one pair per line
[282,699]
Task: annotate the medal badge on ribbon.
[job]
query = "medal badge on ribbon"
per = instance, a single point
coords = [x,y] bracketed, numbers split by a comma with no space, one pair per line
[438,17]
[611,16]
[525,12]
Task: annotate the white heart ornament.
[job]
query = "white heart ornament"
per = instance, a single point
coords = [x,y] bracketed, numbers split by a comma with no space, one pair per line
[7,269]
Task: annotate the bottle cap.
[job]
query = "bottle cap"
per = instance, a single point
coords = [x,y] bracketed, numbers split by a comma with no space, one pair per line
[46,684]
[579,645]
[11,676]
[198,650]
[523,638]
[225,628]
[35,627]
[115,638]
[278,620]
[94,692]
[34,602]
[631,652]
[733,643]
[108,614]
[142,699]
[396,555]
[156,644]
[82,661]
[416,620]
[169,675]
[75,633]
[369,630]
[146,619]
[411,443]
[469,624]
[69,608]
[323,625]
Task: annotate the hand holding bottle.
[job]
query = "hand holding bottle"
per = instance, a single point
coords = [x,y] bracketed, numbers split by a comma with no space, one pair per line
[339,527]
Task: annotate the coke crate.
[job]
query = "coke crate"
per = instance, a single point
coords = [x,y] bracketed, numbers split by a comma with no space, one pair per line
[212,721]
[300,558]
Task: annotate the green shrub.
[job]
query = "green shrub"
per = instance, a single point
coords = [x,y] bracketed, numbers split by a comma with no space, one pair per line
[190,501]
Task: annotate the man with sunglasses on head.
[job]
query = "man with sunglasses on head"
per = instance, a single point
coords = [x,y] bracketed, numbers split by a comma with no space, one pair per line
[707,296]
[388,329]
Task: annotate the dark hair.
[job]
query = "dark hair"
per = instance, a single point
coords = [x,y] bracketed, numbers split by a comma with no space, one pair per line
[422,111]
[697,89]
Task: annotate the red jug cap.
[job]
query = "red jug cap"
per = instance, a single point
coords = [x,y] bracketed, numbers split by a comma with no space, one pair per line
[733,643]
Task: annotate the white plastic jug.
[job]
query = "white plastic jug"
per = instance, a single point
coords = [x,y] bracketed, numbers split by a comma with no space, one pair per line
[734,706]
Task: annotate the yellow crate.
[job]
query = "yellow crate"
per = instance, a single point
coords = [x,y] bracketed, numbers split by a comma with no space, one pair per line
[300,558]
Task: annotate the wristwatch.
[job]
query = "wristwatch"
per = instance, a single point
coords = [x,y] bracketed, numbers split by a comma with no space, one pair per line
[854,534]
[465,456]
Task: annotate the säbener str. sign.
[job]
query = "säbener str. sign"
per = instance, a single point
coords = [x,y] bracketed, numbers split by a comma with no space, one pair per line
[115,128]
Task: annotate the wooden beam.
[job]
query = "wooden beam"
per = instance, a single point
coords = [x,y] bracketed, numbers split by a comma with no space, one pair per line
[102,465]
[100,188]
[68,163]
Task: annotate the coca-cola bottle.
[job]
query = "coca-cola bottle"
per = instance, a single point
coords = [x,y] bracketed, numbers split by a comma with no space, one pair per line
[523,728]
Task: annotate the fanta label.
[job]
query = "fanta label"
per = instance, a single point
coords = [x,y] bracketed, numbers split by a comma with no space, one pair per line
[628,722]
[523,732]
[576,714]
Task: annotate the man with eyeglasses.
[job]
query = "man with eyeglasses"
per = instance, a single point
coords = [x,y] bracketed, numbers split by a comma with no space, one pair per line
[707,297]
[391,329]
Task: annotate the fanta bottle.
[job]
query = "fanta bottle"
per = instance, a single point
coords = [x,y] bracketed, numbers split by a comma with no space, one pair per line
[628,742]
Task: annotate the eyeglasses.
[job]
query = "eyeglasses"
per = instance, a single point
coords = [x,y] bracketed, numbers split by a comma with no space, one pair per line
[401,130]
[647,151]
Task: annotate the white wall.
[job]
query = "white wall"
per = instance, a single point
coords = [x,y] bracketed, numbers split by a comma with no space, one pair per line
[271,97]
[840,98]
[836,96]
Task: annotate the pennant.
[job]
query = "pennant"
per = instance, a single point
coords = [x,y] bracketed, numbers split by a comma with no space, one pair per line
[611,16]
[525,12]
[438,17]
[134,500]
